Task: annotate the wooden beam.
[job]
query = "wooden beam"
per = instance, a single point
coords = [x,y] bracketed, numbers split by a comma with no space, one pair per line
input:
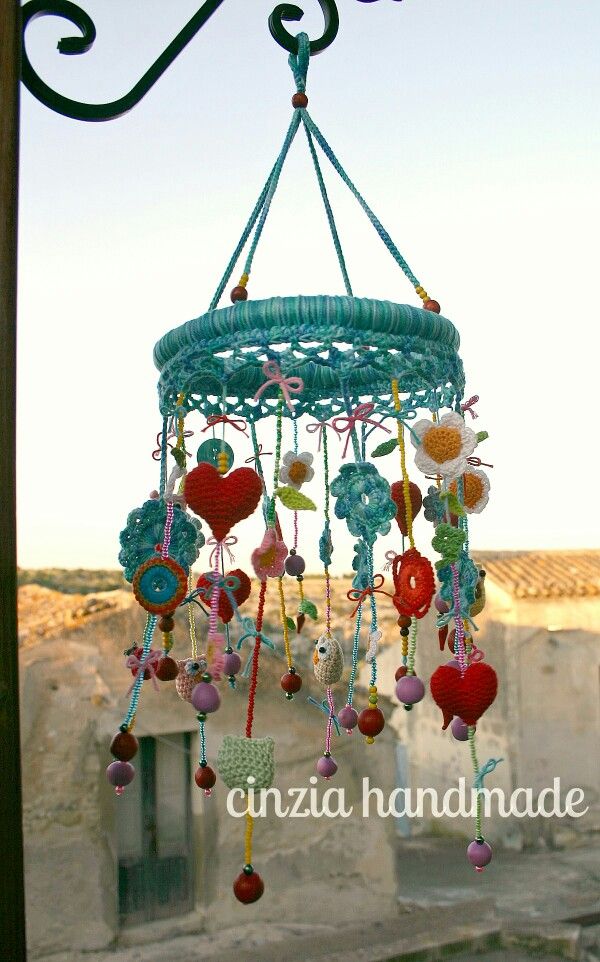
[12,908]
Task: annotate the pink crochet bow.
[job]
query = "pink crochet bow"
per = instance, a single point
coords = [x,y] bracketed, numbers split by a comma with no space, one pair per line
[287,385]
[360,413]
[149,663]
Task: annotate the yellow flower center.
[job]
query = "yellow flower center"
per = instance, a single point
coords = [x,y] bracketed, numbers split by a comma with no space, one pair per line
[472,489]
[268,557]
[297,472]
[442,443]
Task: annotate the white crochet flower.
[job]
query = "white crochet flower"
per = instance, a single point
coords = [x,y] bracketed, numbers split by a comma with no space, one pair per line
[296,469]
[476,490]
[444,446]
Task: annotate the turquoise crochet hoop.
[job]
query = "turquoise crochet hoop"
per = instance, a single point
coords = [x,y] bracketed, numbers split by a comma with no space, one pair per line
[347,387]
[343,348]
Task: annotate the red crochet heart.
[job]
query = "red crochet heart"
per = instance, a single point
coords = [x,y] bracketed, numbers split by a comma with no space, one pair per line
[398,497]
[222,501]
[240,594]
[468,695]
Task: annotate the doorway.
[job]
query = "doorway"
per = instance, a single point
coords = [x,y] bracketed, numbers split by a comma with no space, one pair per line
[154,832]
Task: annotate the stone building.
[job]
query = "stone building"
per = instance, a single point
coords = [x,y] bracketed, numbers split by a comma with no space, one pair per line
[161,859]
[103,870]
[540,630]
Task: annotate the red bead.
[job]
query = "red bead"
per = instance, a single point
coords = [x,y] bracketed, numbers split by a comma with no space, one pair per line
[166,623]
[299,100]
[404,621]
[205,777]
[124,746]
[248,888]
[371,721]
[167,669]
[239,293]
[431,305]
[291,683]
[400,672]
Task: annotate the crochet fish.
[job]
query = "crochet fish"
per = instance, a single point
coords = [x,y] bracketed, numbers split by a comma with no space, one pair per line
[328,661]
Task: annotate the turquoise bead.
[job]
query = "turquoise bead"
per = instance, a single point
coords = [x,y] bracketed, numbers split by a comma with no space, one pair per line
[209,450]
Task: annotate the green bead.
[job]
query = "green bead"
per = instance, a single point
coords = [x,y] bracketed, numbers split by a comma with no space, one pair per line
[209,450]
[289,695]
[248,869]
[206,676]
[372,699]
[201,716]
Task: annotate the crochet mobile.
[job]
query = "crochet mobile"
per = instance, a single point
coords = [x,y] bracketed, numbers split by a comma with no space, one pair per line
[355,367]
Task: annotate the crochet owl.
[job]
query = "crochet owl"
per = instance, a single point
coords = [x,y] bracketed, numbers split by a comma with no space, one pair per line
[328,661]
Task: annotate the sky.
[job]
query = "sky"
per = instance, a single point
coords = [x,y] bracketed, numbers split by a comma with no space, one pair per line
[473,130]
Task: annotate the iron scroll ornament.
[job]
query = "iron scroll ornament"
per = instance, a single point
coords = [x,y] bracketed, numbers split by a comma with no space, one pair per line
[77,45]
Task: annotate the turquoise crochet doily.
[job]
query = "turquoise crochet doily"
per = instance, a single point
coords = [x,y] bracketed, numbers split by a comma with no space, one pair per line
[344,349]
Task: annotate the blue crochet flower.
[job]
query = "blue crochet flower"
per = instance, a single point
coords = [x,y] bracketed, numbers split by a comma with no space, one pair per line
[145,530]
[433,507]
[468,575]
[326,545]
[360,564]
[363,500]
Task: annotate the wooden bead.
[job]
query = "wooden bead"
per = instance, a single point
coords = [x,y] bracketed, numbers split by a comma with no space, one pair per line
[431,305]
[248,888]
[404,621]
[204,777]
[299,100]
[291,683]
[400,672]
[167,669]
[239,293]
[166,623]
[124,746]
[371,721]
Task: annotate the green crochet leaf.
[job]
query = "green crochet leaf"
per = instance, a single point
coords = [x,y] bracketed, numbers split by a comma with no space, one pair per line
[386,447]
[291,624]
[307,607]
[295,499]
[482,436]
[453,503]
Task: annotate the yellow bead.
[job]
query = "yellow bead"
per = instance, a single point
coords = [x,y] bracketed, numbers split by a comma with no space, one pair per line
[369,739]
[373,689]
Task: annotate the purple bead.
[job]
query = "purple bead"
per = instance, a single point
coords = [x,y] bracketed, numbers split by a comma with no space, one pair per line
[459,729]
[453,663]
[232,663]
[120,774]
[441,605]
[205,697]
[348,717]
[409,689]
[326,766]
[479,854]
[295,565]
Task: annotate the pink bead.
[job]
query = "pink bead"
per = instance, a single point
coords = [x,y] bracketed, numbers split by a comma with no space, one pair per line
[409,689]
[479,854]
[441,605]
[459,729]
[205,697]
[232,663]
[326,766]
[120,774]
[348,717]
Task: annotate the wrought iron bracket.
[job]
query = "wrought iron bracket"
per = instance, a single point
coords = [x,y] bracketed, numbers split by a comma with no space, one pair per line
[116,108]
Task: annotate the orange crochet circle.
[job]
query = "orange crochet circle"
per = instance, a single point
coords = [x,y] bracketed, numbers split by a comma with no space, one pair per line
[442,443]
[472,489]
[167,596]
[297,472]
[414,583]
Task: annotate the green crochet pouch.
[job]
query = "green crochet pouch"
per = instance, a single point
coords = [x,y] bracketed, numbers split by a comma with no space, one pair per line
[240,757]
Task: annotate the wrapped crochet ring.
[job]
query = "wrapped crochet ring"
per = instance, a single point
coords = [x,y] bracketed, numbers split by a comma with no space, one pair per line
[414,584]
